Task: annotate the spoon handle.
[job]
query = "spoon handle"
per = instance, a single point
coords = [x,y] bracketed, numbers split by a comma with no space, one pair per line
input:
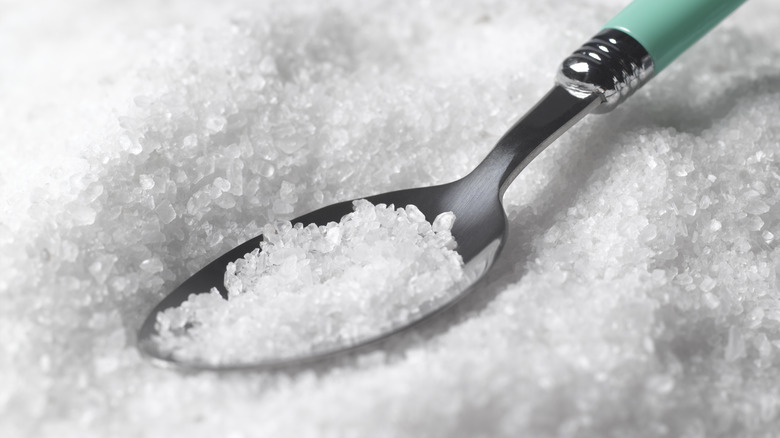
[639,42]
[666,28]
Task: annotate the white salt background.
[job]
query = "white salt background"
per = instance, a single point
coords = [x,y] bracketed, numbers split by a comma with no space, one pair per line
[637,295]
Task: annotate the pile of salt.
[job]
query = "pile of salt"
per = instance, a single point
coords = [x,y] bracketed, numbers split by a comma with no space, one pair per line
[310,289]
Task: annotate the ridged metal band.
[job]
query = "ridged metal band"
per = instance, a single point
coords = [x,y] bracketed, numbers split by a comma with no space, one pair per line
[612,64]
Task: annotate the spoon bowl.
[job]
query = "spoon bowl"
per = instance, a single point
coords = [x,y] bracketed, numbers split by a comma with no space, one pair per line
[479,228]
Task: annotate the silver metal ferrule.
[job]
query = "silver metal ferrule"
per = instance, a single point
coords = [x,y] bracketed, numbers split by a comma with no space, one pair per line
[612,64]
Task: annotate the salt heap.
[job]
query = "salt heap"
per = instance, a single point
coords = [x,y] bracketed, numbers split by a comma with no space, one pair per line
[317,288]
[637,293]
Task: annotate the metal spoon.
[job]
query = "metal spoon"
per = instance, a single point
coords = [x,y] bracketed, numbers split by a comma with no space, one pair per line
[595,78]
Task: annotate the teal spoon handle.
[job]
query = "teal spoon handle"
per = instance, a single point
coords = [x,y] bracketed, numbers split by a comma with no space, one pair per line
[666,28]
[640,41]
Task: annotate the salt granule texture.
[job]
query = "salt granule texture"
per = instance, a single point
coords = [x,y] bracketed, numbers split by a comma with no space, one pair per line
[636,296]
[318,288]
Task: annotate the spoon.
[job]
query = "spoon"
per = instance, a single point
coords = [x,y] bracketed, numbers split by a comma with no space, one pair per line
[631,48]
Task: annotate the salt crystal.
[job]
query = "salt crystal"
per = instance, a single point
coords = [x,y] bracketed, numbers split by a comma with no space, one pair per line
[119,283]
[166,212]
[267,169]
[763,346]
[339,138]
[651,163]
[755,317]
[750,194]
[93,192]
[101,268]
[735,347]
[443,222]
[282,207]
[333,236]
[215,124]
[414,213]
[132,146]
[222,184]
[683,279]
[152,265]
[715,225]
[680,170]
[69,251]
[289,146]
[190,141]
[147,182]
[759,186]
[267,65]
[287,190]
[82,214]
[707,283]
[214,239]
[754,223]
[226,201]
[711,300]
[757,207]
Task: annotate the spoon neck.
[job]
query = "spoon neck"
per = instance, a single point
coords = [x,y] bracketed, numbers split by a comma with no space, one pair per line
[555,113]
